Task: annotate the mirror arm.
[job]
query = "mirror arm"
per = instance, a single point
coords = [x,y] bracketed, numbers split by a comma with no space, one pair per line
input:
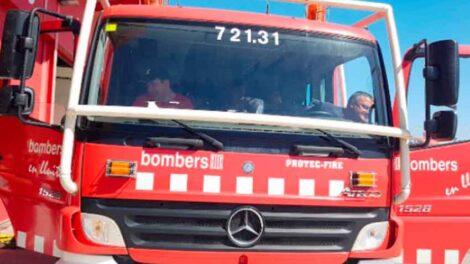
[430,126]
[73,24]
[50,13]
[36,123]
[429,72]
[27,43]
[416,51]
[21,100]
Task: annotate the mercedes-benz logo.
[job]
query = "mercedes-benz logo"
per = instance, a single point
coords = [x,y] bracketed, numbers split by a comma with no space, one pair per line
[245,226]
[248,167]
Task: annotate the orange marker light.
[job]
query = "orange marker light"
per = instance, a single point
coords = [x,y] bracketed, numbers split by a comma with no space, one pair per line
[155,2]
[316,12]
[119,168]
[363,179]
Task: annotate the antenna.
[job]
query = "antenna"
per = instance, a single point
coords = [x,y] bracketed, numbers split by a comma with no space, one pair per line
[267,6]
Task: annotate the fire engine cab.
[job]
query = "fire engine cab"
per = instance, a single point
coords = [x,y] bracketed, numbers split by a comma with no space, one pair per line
[208,136]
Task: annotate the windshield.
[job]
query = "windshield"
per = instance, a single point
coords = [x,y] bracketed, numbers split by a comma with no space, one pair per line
[234,68]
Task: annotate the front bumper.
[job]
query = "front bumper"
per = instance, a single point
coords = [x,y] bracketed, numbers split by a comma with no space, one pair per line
[184,257]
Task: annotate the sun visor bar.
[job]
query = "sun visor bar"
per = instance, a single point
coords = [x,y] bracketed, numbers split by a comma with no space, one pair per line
[237,118]
[384,11]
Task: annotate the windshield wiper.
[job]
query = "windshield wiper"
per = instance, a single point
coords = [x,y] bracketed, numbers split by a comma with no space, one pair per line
[345,145]
[174,143]
[208,139]
[317,151]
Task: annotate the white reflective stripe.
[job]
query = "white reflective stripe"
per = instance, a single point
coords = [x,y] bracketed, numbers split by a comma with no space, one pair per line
[423,256]
[211,184]
[21,239]
[399,259]
[178,182]
[244,185]
[306,187]
[466,258]
[275,186]
[380,261]
[56,252]
[39,244]
[73,258]
[336,187]
[451,256]
[144,181]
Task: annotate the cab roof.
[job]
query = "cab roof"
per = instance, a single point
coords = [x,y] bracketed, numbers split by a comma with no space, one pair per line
[236,17]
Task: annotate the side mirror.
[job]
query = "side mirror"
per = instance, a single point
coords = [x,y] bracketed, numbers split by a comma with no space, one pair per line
[10,97]
[442,73]
[445,125]
[19,38]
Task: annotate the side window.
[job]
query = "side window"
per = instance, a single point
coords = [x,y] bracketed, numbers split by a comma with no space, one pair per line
[339,87]
[63,82]
[416,103]
[357,77]
[353,84]
[95,87]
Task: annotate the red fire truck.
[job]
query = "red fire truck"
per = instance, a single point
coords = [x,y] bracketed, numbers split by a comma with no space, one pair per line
[183,134]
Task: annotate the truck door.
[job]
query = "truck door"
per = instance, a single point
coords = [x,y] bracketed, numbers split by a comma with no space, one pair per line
[437,215]
[30,155]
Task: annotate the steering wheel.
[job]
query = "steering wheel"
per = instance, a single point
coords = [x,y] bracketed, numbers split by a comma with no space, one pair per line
[316,110]
[319,113]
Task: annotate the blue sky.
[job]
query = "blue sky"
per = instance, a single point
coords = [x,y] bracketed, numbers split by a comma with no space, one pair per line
[415,19]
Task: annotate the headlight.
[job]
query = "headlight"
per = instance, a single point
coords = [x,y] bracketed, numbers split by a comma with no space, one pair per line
[102,230]
[371,236]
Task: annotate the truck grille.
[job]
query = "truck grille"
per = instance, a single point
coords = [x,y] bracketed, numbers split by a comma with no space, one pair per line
[202,226]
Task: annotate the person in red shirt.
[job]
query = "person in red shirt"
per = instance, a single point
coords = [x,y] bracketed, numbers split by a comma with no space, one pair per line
[159,91]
